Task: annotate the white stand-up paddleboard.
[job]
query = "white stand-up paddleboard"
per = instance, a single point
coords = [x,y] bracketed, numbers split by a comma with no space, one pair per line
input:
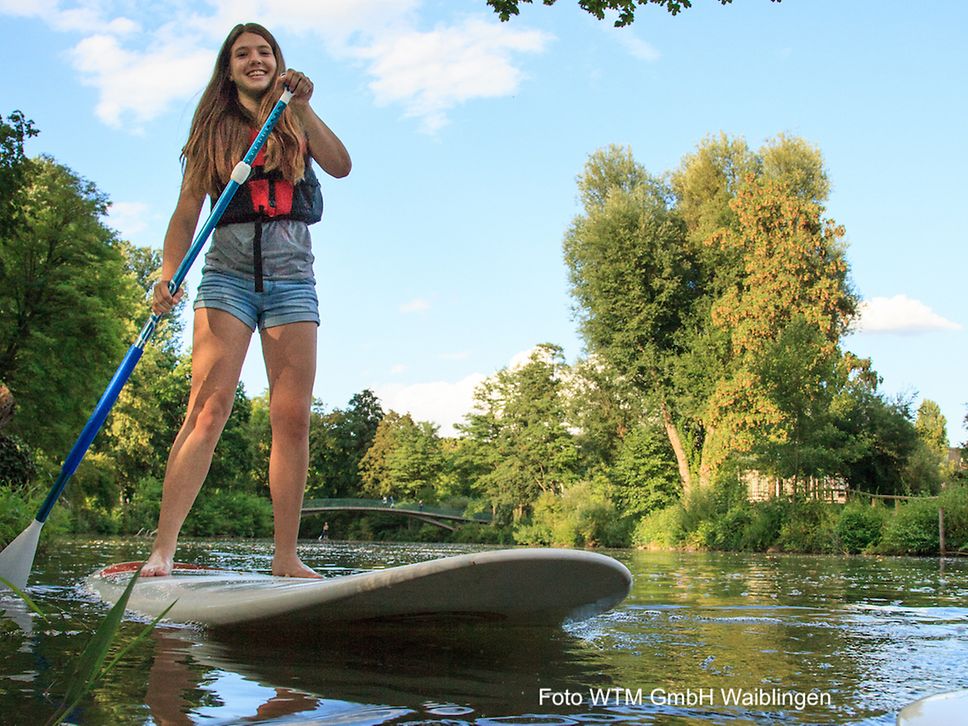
[941,709]
[534,586]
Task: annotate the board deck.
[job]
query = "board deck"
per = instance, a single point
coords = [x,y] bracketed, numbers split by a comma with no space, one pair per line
[534,586]
[941,708]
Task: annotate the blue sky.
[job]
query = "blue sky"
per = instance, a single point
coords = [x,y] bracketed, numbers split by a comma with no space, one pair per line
[438,260]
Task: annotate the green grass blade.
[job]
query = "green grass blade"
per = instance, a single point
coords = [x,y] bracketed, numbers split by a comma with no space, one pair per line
[25,597]
[90,662]
[104,670]
[141,636]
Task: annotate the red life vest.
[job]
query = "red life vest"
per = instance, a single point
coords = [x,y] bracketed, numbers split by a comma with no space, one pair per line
[267,196]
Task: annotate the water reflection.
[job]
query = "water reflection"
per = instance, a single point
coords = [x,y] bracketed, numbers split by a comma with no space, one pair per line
[370,674]
[873,633]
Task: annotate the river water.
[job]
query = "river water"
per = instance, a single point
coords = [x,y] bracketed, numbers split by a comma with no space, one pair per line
[703,638]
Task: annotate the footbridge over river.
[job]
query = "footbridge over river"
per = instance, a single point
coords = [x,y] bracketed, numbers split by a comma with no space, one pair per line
[441,517]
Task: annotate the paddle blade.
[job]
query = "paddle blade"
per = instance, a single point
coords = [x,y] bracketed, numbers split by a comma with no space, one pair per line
[18,557]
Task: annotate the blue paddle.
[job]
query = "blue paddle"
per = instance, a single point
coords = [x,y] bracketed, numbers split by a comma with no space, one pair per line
[17,557]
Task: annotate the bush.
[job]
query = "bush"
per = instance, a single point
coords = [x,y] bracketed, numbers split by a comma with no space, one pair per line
[913,530]
[17,466]
[728,530]
[702,535]
[18,509]
[15,514]
[954,501]
[583,516]
[537,531]
[141,513]
[90,517]
[860,527]
[482,534]
[412,531]
[662,528]
[94,494]
[808,527]
[230,513]
[722,518]
[763,530]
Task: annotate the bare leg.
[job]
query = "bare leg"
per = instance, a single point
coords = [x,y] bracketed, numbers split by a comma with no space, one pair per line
[218,350]
[290,355]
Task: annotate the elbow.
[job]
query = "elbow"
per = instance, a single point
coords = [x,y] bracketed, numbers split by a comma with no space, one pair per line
[342,168]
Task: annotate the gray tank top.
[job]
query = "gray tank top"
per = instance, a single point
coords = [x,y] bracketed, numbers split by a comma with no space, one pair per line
[287,252]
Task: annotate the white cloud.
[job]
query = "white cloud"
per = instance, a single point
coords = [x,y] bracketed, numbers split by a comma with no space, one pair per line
[83,18]
[444,403]
[636,47]
[141,66]
[430,73]
[417,305]
[140,84]
[900,314]
[336,23]
[130,219]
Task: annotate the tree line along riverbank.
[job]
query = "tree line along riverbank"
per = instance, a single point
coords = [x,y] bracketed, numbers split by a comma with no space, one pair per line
[713,299]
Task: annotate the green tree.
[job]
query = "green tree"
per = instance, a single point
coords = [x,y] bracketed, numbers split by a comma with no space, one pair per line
[66,300]
[405,459]
[932,428]
[784,316]
[519,435]
[602,409]
[644,475]
[625,8]
[801,376]
[144,264]
[150,408]
[14,131]
[929,467]
[877,438]
[963,467]
[233,459]
[633,278]
[337,443]
[696,292]
[260,436]
[705,183]
[922,473]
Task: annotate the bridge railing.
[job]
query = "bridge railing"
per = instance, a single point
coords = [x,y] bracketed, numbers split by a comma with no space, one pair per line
[405,505]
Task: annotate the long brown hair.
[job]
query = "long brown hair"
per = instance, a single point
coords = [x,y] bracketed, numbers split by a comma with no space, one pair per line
[222,126]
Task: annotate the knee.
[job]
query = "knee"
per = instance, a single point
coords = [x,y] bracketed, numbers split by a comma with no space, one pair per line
[208,418]
[290,422]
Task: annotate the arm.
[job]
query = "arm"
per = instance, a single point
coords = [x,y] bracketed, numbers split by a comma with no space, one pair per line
[177,240]
[324,146]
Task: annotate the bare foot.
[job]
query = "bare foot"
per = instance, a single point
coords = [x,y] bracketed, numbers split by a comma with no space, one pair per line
[292,567]
[158,565]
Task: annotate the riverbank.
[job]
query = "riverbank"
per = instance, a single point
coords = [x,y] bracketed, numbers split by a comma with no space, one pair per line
[722,519]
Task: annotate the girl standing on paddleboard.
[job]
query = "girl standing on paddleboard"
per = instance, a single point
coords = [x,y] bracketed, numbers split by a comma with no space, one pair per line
[257,273]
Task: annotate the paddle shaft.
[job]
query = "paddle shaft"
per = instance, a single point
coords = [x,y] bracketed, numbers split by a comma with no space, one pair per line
[121,375]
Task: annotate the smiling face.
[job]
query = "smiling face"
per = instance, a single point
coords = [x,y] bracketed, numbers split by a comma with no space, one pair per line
[252,66]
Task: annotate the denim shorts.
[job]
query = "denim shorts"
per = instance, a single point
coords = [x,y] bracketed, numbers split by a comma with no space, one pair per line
[280,302]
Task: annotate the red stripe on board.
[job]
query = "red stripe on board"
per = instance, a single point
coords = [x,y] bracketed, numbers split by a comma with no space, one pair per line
[123,567]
